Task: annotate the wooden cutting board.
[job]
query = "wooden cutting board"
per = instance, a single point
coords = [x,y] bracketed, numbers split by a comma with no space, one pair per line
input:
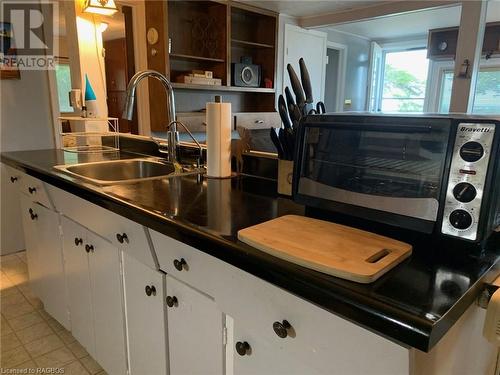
[334,249]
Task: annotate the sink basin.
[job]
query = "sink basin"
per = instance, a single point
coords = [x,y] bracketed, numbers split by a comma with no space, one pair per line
[119,171]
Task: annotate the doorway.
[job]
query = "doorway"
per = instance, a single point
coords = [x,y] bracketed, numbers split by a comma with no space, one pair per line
[336,55]
[118,42]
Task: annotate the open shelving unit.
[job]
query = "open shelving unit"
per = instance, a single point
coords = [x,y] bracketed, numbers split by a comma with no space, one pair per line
[212,35]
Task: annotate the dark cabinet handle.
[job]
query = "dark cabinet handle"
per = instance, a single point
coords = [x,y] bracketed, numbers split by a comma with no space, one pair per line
[33,215]
[78,241]
[122,237]
[150,290]
[89,248]
[243,348]
[179,264]
[281,328]
[32,190]
[13,179]
[172,301]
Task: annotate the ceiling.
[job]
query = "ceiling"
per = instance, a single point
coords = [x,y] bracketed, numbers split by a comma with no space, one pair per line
[305,8]
[412,24]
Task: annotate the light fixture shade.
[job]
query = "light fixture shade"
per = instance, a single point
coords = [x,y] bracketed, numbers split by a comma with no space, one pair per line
[103,7]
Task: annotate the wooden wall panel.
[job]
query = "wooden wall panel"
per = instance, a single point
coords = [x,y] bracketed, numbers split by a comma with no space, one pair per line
[156,16]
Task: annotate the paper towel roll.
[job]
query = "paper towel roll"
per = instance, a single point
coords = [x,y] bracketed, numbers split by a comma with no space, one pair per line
[219,140]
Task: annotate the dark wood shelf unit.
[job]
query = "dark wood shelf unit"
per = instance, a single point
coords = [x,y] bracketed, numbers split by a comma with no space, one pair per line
[245,43]
[197,33]
[449,35]
[187,86]
[195,58]
[254,34]
[210,35]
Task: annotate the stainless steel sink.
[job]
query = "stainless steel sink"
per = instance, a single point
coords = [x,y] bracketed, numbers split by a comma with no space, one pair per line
[120,171]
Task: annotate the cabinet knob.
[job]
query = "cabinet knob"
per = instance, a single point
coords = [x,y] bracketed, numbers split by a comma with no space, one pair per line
[89,248]
[150,290]
[32,214]
[78,241]
[172,301]
[13,179]
[281,328]
[122,237]
[179,264]
[243,348]
[32,190]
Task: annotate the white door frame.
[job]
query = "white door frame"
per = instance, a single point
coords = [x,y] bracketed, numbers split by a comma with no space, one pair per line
[141,63]
[288,29]
[342,49]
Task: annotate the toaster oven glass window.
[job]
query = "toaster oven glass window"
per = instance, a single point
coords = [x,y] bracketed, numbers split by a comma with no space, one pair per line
[382,163]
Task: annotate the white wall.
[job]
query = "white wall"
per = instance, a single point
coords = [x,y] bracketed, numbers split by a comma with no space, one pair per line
[26,124]
[283,20]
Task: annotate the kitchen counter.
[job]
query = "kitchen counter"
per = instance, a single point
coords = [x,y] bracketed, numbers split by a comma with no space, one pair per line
[414,304]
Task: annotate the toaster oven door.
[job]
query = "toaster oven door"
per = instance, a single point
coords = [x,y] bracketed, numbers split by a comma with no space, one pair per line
[391,167]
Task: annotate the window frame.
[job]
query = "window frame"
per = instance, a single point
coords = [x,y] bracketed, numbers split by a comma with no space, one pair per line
[442,67]
[391,47]
[62,61]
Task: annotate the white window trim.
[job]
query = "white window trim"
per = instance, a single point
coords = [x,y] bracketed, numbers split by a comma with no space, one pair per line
[399,46]
[436,72]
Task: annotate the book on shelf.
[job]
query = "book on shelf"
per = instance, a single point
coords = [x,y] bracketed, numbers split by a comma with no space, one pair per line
[200,80]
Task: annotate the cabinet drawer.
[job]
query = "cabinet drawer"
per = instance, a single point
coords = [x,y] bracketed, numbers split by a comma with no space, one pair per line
[187,264]
[122,232]
[260,120]
[35,189]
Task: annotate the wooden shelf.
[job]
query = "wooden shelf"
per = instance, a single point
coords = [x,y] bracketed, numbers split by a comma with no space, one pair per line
[187,86]
[245,43]
[195,58]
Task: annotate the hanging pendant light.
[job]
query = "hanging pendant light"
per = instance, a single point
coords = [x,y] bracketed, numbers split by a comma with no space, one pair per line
[103,7]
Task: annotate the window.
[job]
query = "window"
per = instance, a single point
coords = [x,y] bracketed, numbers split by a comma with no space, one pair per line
[63,78]
[404,81]
[487,93]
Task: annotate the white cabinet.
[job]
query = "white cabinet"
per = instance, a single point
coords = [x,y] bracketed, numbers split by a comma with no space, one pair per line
[96,302]
[145,317]
[78,280]
[195,331]
[12,239]
[30,227]
[107,304]
[45,258]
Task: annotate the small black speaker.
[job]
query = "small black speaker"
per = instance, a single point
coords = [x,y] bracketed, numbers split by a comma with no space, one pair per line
[246,74]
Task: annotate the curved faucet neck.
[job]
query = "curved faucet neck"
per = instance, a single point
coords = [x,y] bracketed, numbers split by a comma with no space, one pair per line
[139,76]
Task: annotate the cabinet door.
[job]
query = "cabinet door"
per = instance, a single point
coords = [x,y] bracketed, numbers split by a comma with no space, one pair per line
[30,225]
[53,280]
[195,327]
[107,304]
[78,281]
[145,316]
[260,357]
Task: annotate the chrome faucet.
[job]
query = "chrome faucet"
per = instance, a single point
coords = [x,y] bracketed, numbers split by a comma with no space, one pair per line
[128,111]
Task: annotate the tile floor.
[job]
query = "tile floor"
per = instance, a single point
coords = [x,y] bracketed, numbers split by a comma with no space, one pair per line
[30,338]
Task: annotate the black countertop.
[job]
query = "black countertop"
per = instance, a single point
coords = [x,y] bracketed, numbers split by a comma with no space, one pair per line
[414,304]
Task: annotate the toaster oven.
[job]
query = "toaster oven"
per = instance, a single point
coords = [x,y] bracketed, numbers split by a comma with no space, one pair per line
[431,174]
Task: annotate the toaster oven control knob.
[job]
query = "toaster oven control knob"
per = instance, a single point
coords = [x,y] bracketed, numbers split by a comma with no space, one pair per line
[471,151]
[464,192]
[461,219]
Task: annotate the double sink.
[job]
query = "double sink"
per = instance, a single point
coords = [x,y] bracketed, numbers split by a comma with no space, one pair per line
[125,171]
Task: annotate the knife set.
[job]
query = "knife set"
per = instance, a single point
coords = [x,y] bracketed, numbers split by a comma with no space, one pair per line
[291,112]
